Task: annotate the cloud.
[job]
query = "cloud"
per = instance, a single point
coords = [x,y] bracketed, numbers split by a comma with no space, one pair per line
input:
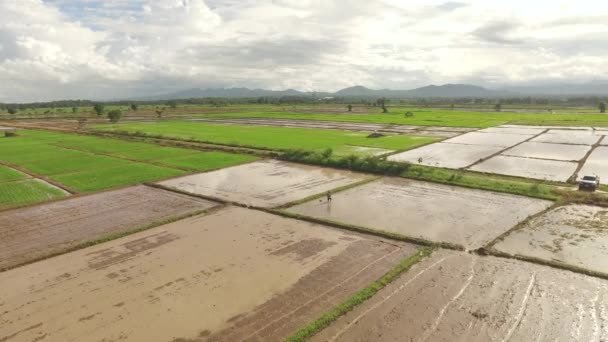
[52,49]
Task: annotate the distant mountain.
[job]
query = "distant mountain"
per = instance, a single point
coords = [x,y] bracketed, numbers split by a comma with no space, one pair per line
[227,93]
[599,87]
[431,91]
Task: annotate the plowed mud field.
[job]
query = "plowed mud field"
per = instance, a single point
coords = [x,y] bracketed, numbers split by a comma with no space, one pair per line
[234,274]
[439,213]
[267,183]
[30,233]
[575,234]
[454,296]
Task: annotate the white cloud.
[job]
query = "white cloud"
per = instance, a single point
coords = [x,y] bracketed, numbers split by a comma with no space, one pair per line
[117,48]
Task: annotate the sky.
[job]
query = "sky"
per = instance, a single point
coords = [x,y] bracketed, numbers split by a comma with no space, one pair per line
[112,49]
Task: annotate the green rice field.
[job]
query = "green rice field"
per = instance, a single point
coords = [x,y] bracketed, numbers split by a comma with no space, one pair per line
[84,163]
[275,138]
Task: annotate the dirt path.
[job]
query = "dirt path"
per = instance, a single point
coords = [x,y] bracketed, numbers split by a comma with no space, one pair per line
[30,233]
[230,275]
[455,296]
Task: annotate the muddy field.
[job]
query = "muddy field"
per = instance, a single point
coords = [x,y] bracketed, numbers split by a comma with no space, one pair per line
[234,274]
[454,296]
[33,232]
[574,234]
[441,132]
[597,163]
[439,213]
[267,183]
[548,151]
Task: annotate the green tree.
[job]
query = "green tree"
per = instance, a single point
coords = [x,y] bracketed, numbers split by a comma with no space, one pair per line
[350,107]
[172,104]
[134,107]
[12,110]
[114,115]
[602,107]
[382,103]
[74,110]
[98,108]
[159,112]
[498,107]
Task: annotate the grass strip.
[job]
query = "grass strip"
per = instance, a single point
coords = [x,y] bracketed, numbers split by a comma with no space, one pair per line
[113,236]
[365,230]
[358,298]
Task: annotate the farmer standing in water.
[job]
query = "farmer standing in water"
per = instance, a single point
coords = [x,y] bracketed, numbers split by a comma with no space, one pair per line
[329,197]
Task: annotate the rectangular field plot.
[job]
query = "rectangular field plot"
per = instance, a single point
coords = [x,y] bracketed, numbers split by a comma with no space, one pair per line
[267,183]
[574,234]
[203,161]
[552,170]
[441,154]
[34,232]
[489,139]
[568,137]
[8,175]
[232,275]
[514,130]
[454,296]
[548,151]
[28,191]
[597,164]
[439,213]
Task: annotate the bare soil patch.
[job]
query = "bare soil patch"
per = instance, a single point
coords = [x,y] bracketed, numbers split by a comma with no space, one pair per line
[455,296]
[573,234]
[232,275]
[267,183]
[439,213]
[31,233]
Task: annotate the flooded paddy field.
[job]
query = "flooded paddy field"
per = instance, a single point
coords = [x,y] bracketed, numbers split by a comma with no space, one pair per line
[27,234]
[439,213]
[597,163]
[548,151]
[490,139]
[539,152]
[455,296]
[441,132]
[454,156]
[234,274]
[573,234]
[267,183]
[545,169]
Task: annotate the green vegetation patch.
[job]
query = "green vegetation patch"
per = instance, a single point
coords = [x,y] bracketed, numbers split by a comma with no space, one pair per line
[276,138]
[99,179]
[207,161]
[49,167]
[29,191]
[8,175]
[156,152]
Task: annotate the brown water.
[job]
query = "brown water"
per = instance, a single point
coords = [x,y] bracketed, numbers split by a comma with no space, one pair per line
[470,218]
[230,275]
[573,234]
[455,296]
[267,183]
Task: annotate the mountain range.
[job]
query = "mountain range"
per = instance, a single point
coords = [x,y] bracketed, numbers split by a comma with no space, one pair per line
[599,88]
